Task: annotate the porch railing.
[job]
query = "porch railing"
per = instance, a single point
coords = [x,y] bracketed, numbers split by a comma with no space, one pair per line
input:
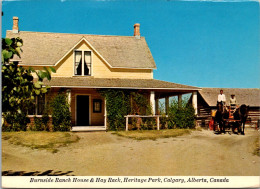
[140,116]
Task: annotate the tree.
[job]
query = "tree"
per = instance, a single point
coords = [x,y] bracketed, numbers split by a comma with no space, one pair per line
[18,86]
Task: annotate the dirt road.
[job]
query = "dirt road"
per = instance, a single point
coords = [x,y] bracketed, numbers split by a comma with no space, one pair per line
[104,154]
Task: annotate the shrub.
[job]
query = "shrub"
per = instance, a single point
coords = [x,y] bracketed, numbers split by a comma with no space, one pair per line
[117,103]
[38,123]
[45,120]
[181,116]
[15,122]
[120,103]
[61,116]
[139,104]
[163,119]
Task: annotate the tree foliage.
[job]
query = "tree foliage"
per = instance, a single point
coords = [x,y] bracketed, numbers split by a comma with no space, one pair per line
[18,86]
[61,116]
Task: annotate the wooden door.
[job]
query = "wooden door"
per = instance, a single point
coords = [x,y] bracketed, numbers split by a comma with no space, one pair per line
[82,110]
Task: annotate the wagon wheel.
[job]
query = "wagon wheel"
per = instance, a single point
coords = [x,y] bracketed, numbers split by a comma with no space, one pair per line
[227,126]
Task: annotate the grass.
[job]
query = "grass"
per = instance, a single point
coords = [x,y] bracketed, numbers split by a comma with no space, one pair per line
[50,141]
[152,134]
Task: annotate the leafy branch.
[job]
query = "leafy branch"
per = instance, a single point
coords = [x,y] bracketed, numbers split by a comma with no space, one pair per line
[18,86]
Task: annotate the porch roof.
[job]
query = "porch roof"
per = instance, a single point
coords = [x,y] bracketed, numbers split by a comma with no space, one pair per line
[88,82]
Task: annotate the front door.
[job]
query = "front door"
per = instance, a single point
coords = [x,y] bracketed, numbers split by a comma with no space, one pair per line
[82,110]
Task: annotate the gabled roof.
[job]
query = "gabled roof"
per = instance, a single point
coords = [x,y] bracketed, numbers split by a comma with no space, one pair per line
[46,49]
[248,96]
[88,82]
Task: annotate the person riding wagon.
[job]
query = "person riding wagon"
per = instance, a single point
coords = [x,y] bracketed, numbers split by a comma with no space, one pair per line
[233,101]
[222,97]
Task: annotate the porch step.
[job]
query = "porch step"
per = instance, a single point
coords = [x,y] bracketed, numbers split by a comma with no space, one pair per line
[88,128]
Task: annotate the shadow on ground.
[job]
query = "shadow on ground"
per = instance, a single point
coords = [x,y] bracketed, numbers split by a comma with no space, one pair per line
[227,132]
[36,173]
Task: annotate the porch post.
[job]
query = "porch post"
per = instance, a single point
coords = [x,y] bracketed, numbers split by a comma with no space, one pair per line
[167,105]
[68,91]
[195,101]
[152,101]
[105,113]
[179,100]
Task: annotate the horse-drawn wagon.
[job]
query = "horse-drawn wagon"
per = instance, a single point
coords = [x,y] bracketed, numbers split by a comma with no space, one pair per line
[226,118]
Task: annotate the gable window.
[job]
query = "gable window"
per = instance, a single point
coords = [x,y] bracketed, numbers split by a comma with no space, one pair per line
[38,106]
[82,63]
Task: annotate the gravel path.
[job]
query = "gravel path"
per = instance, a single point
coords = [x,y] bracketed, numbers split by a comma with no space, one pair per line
[104,154]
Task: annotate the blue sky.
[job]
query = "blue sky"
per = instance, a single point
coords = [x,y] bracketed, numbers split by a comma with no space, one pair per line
[200,43]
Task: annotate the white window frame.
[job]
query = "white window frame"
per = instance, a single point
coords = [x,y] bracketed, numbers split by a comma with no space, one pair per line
[82,66]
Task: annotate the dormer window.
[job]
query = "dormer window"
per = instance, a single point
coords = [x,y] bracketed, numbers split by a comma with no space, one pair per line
[82,63]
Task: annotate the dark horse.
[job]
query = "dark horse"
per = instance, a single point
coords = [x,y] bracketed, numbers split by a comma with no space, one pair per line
[220,116]
[241,114]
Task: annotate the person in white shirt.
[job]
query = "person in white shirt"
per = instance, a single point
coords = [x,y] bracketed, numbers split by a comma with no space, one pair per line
[222,97]
[233,103]
[233,100]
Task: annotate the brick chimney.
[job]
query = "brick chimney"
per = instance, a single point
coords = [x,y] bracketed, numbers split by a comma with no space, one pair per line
[137,31]
[15,24]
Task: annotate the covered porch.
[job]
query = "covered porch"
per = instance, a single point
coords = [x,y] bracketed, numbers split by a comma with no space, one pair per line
[88,107]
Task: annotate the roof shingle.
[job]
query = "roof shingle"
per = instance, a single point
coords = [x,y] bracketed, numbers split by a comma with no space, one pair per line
[42,48]
[87,82]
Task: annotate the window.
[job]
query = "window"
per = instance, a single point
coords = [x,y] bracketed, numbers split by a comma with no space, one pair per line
[97,105]
[82,63]
[38,106]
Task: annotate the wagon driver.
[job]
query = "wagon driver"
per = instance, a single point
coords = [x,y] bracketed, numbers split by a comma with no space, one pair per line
[233,101]
[222,97]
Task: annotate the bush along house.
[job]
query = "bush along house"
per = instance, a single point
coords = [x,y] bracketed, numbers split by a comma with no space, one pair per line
[86,64]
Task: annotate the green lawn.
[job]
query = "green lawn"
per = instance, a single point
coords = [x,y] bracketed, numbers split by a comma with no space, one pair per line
[41,140]
[153,134]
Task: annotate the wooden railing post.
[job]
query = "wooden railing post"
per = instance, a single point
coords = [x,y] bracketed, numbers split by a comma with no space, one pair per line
[126,123]
[140,116]
[158,123]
